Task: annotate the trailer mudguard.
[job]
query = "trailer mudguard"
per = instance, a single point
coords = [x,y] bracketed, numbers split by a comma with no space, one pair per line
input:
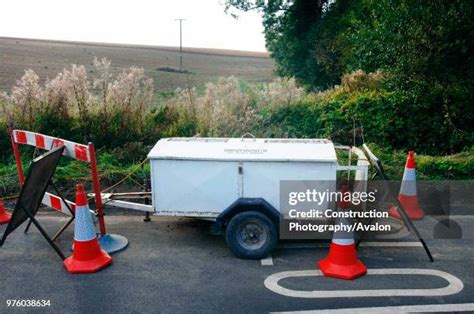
[247,204]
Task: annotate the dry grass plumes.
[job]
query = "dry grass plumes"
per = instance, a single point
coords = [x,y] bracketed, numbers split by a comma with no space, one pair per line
[72,93]
[230,107]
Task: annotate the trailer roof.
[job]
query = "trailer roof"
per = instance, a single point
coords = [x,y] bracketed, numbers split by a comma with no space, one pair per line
[246,149]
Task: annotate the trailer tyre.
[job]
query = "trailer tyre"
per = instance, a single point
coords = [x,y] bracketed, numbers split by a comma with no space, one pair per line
[251,235]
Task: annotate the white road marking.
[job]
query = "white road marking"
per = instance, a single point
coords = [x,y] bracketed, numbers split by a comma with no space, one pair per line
[363,243]
[267,261]
[431,308]
[455,285]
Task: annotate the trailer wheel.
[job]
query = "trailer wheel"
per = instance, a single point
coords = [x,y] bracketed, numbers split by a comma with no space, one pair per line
[251,235]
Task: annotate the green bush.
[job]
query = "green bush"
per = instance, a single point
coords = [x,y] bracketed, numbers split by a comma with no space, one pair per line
[295,120]
[168,121]
[454,167]
[50,123]
[129,153]
[333,115]
[380,114]
[5,151]
[382,117]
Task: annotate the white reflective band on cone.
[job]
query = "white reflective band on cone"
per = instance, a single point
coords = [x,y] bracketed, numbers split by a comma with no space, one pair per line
[408,186]
[343,241]
[84,227]
[343,237]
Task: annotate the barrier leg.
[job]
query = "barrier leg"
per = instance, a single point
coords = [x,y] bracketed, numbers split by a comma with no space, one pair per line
[28,227]
[147,217]
[111,243]
[146,183]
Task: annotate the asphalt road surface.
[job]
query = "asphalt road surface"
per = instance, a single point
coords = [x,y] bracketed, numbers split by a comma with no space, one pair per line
[176,265]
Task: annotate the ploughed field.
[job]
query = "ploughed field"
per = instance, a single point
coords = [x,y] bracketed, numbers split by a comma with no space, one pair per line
[47,58]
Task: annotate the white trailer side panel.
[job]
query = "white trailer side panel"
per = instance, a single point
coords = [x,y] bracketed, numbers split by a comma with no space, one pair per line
[206,188]
[262,179]
[194,188]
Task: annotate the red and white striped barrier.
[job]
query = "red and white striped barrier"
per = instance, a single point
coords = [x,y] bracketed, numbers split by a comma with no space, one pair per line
[74,150]
[109,242]
[56,203]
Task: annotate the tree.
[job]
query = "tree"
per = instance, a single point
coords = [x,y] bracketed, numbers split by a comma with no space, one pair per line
[424,48]
[288,33]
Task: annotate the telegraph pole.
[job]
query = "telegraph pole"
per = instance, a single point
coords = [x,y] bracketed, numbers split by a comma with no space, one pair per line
[180,43]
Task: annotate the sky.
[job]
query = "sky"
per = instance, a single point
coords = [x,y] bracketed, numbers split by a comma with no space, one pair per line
[146,22]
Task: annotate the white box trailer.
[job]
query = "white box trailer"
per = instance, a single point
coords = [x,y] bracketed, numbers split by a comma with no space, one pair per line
[201,177]
[236,182]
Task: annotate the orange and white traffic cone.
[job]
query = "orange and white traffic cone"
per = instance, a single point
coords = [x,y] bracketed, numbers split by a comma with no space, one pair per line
[87,256]
[342,261]
[408,195]
[4,215]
